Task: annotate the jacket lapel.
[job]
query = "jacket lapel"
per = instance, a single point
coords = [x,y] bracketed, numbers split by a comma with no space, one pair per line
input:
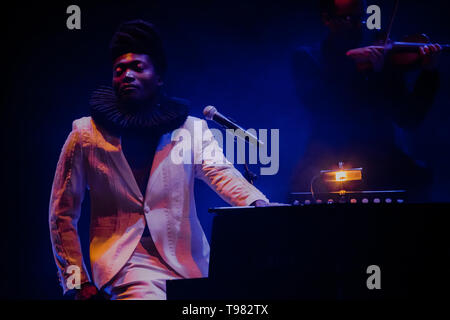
[162,155]
[123,168]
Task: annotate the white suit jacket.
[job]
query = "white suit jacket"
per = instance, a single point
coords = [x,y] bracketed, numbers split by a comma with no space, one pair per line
[92,158]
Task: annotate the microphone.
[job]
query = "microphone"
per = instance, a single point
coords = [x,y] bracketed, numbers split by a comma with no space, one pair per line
[211,113]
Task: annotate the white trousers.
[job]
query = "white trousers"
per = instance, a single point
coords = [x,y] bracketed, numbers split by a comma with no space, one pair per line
[143,277]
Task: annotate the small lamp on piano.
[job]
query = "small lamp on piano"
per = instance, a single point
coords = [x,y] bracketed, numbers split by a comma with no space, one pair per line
[341,174]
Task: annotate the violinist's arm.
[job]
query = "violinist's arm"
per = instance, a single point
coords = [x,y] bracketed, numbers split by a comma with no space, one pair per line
[369,58]
[411,106]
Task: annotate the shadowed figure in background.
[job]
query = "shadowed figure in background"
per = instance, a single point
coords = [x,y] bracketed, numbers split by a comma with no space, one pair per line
[356,100]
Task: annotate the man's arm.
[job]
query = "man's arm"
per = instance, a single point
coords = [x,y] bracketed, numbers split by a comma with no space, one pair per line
[67,194]
[221,176]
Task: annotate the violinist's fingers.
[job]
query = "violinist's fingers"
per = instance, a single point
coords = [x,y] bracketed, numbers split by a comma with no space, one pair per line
[371,51]
[378,59]
[378,53]
[379,50]
[372,56]
[435,48]
[430,56]
[422,51]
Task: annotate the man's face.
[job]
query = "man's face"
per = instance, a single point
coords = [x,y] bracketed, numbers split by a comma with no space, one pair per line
[346,21]
[135,78]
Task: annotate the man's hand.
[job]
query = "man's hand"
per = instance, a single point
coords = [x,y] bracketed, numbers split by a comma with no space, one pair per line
[262,203]
[430,56]
[366,58]
[88,291]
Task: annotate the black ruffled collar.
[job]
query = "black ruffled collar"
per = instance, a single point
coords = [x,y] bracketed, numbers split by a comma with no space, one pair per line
[166,115]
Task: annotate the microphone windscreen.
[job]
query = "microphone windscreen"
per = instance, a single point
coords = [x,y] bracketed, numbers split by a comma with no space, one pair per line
[209,112]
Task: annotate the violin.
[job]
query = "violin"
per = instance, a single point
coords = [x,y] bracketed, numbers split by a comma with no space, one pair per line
[406,53]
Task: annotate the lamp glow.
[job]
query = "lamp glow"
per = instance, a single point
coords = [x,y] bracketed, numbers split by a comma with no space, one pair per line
[341,176]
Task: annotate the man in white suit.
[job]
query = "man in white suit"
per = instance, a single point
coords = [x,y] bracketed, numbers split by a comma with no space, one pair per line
[144,227]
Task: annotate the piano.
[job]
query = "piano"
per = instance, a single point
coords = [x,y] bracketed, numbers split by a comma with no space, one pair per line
[325,251]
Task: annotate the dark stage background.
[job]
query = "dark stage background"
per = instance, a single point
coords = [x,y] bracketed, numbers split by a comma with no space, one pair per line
[236,55]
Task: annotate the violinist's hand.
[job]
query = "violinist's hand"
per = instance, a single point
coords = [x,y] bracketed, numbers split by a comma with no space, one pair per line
[367,58]
[430,56]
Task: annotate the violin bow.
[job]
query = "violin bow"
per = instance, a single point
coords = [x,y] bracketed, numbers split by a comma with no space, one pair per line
[391,22]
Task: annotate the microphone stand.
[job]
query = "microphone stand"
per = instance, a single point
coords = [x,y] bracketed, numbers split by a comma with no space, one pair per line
[250,176]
